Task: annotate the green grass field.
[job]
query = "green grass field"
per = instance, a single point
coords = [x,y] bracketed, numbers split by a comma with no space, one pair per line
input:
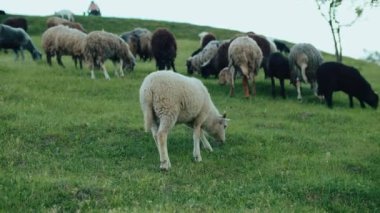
[69,143]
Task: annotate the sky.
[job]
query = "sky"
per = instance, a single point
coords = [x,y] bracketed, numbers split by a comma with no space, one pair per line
[291,20]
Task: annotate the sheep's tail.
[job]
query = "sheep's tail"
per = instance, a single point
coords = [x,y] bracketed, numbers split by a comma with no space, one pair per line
[245,71]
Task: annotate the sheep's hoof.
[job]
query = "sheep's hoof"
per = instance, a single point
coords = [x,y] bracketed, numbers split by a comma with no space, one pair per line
[197,158]
[165,165]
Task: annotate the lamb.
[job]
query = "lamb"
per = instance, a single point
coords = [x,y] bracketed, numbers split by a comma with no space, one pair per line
[17,40]
[54,21]
[304,60]
[17,22]
[224,76]
[333,76]
[62,40]
[217,62]
[169,98]
[100,46]
[195,62]
[164,48]
[244,56]
[278,66]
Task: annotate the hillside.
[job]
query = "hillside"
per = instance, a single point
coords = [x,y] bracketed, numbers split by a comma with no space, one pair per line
[69,143]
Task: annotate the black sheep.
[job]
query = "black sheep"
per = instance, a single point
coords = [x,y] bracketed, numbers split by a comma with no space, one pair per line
[278,66]
[217,63]
[333,76]
[164,49]
[17,22]
[17,40]
[281,46]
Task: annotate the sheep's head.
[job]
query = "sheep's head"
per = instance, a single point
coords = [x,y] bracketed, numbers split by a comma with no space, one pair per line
[36,55]
[218,128]
[372,99]
[189,65]
[224,76]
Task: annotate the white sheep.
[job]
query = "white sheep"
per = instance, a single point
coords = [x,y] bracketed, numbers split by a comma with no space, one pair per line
[65,14]
[245,57]
[169,98]
[304,60]
[62,40]
[195,62]
[100,46]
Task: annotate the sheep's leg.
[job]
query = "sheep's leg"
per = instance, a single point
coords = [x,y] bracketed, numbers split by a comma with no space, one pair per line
[75,59]
[22,54]
[196,139]
[162,136]
[105,72]
[16,54]
[273,87]
[92,71]
[362,105]
[59,60]
[253,85]
[121,68]
[232,85]
[205,142]
[351,101]
[154,130]
[314,86]
[298,86]
[80,62]
[48,58]
[328,98]
[282,88]
[172,65]
[245,86]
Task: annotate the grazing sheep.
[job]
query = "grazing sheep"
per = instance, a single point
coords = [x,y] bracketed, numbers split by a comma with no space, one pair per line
[139,41]
[195,62]
[217,62]
[17,40]
[62,40]
[224,76]
[205,38]
[333,76]
[65,14]
[169,98]
[164,49]
[244,56]
[54,21]
[17,22]
[278,66]
[281,46]
[100,46]
[132,40]
[304,60]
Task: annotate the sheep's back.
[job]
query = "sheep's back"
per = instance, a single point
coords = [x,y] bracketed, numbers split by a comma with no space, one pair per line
[174,95]
[304,53]
[245,51]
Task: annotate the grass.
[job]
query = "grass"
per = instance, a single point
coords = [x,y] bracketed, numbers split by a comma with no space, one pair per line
[69,143]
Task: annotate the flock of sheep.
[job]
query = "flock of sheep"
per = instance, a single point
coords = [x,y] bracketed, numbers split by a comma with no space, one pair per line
[168,98]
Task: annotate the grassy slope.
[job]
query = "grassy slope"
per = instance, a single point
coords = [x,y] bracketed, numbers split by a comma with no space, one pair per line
[70,143]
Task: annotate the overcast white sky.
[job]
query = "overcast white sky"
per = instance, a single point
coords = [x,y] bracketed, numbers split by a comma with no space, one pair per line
[292,20]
